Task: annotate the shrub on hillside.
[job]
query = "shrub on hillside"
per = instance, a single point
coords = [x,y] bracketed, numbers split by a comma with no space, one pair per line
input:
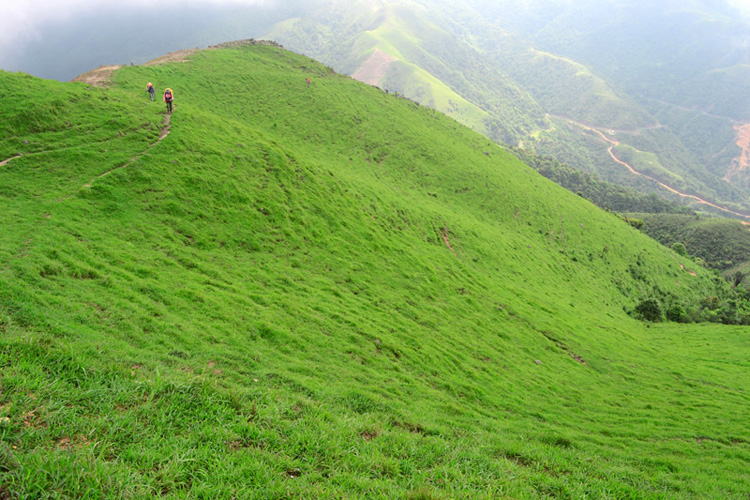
[636,223]
[677,314]
[649,310]
[679,248]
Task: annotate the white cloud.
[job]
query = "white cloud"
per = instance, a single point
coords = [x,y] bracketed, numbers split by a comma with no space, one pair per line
[742,5]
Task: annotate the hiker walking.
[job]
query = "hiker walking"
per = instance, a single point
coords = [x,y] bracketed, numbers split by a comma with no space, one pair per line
[151,90]
[307,80]
[168,98]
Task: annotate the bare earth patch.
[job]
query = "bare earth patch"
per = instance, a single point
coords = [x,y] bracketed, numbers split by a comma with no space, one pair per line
[99,77]
[374,69]
[740,164]
[445,234]
[179,56]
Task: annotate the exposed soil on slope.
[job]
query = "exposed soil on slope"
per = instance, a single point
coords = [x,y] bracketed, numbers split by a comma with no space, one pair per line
[102,76]
[445,234]
[741,164]
[179,56]
[375,68]
[99,77]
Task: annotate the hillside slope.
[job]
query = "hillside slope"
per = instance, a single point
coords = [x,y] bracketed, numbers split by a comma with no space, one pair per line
[486,66]
[394,45]
[330,292]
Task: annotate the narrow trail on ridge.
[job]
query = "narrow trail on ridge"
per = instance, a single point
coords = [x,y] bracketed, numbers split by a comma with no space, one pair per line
[164,132]
[665,186]
[167,125]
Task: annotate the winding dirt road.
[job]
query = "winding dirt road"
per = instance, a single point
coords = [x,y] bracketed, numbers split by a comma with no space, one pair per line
[633,171]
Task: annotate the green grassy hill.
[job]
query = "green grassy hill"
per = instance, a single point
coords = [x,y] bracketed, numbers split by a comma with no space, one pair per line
[329,292]
[430,64]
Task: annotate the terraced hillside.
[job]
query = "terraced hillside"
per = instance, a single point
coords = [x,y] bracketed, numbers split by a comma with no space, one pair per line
[330,292]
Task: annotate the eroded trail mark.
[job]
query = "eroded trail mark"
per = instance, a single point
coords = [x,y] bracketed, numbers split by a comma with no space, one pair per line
[162,135]
[5,162]
[444,232]
[562,346]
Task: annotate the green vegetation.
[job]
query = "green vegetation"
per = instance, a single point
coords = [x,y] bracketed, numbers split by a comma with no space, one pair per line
[432,67]
[331,292]
[722,244]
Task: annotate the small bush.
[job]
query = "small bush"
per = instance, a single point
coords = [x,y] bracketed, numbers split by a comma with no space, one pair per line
[679,248]
[636,223]
[649,310]
[677,314]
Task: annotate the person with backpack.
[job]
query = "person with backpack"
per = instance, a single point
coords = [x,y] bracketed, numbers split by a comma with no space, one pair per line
[168,98]
[151,90]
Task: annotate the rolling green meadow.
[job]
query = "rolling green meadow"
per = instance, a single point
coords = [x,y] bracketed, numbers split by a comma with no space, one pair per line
[332,292]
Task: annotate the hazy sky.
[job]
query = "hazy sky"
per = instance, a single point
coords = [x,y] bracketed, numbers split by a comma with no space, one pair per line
[20,20]
[743,5]
[24,24]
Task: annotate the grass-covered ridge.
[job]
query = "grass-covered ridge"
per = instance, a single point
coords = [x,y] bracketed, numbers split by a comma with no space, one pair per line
[332,292]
